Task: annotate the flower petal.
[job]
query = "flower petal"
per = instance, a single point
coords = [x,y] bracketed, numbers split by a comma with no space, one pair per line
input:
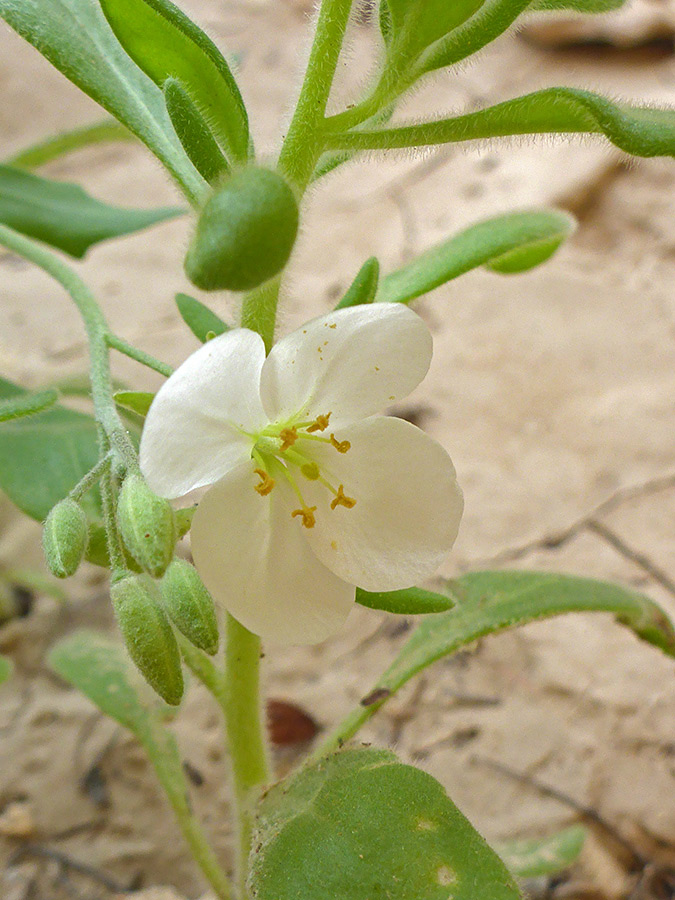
[254,560]
[191,435]
[408,505]
[351,363]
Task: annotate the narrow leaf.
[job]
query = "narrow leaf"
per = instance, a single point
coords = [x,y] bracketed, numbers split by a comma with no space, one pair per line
[67,142]
[76,39]
[165,43]
[199,318]
[44,456]
[362,825]
[6,668]
[543,856]
[193,132]
[364,286]
[27,405]
[135,401]
[584,6]
[639,130]
[488,602]
[407,602]
[410,26]
[63,215]
[510,243]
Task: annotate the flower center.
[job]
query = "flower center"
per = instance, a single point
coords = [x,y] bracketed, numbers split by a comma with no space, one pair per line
[282,450]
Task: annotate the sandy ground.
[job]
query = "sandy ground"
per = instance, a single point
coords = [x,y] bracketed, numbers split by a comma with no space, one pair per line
[554,393]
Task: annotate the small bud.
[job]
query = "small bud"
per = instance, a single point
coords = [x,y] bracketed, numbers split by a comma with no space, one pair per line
[245,232]
[148,636]
[64,538]
[147,524]
[190,606]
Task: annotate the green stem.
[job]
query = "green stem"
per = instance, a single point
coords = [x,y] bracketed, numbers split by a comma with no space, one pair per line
[60,144]
[140,356]
[243,712]
[259,310]
[97,330]
[175,786]
[92,477]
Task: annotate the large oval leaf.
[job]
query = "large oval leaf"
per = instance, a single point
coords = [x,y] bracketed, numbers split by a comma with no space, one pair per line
[360,825]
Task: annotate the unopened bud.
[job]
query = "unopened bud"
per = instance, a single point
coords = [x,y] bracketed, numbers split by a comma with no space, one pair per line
[245,232]
[147,524]
[190,606]
[148,635]
[64,538]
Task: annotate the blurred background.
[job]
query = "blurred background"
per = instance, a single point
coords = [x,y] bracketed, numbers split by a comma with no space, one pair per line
[553,391]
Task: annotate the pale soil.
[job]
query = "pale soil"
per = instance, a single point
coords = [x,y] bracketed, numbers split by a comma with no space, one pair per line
[554,392]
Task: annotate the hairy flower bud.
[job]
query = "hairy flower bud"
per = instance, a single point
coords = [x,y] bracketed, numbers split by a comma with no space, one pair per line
[64,538]
[148,635]
[190,606]
[245,232]
[147,524]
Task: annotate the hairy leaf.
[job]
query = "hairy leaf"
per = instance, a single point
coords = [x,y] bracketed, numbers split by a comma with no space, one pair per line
[407,602]
[136,401]
[510,243]
[194,133]
[27,405]
[75,37]
[68,141]
[63,215]
[6,668]
[639,130]
[165,43]
[361,825]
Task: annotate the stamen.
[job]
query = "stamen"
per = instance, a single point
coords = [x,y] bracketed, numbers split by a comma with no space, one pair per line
[340,446]
[266,482]
[341,499]
[307,513]
[320,423]
[288,436]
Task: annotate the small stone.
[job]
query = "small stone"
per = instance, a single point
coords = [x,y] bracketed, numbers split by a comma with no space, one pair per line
[16,820]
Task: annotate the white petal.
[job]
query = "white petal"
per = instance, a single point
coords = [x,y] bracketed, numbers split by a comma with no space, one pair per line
[351,363]
[191,435]
[255,561]
[408,505]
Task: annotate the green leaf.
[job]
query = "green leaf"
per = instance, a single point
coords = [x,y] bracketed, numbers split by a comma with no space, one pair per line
[361,825]
[412,601]
[43,457]
[584,6]
[199,318]
[6,668]
[135,401]
[488,602]
[510,243]
[165,43]
[639,130]
[76,39]
[364,286]
[27,405]
[63,215]
[410,26]
[543,856]
[193,132]
[67,141]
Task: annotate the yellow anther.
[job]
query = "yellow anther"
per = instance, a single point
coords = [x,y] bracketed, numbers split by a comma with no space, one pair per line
[288,436]
[266,483]
[307,513]
[311,470]
[319,424]
[341,499]
[340,446]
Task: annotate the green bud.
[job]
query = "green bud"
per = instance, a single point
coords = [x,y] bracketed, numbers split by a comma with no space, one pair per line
[245,232]
[64,538]
[147,524]
[148,635]
[190,606]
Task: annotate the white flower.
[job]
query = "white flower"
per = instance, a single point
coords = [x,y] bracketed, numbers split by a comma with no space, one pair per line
[312,492]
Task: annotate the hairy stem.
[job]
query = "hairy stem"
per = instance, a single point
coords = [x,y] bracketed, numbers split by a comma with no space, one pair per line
[140,356]
[243,712]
